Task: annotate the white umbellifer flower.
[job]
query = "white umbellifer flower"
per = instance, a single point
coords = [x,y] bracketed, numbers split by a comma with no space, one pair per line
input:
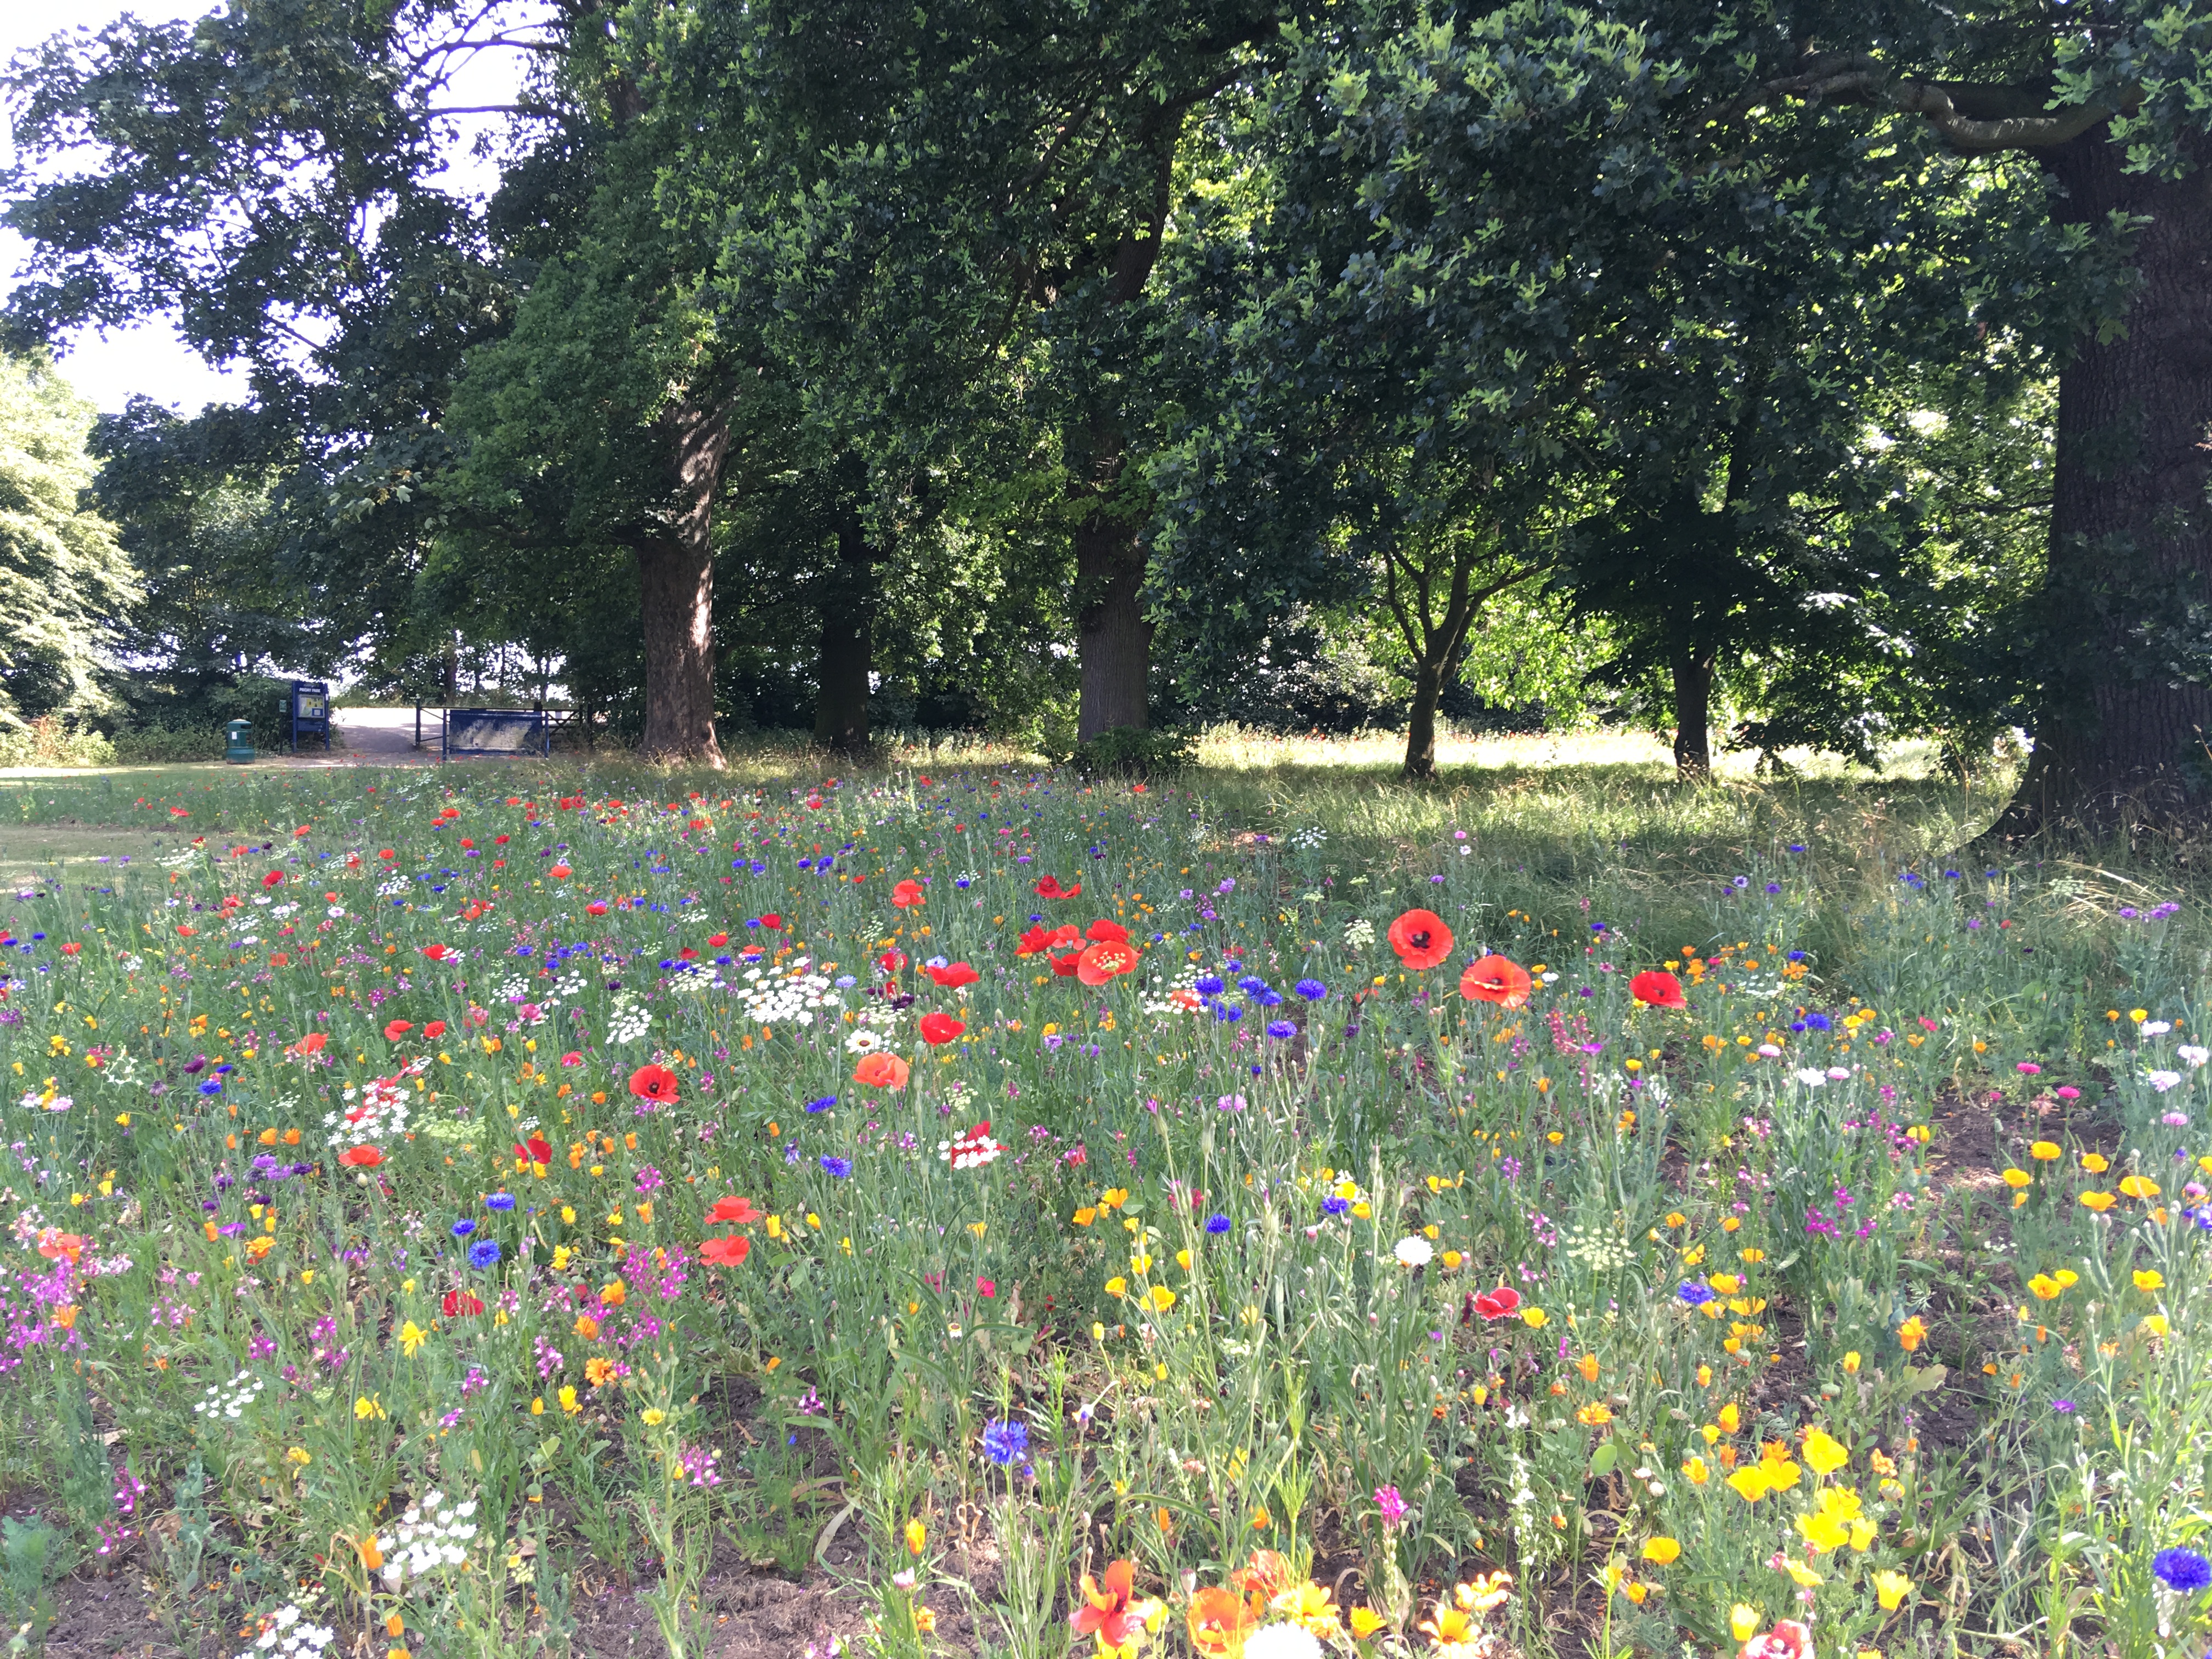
[1359,933]
[1282,1642]
[227,1398]
[1414,1251]
[430,1536]
[285,1633]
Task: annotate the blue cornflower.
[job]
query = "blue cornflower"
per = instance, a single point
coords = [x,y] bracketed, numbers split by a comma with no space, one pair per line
[1694,1294]
[1741,883]
[1311,989]
[2182,1570]
[1005,1442]
[1209,985]
[822,1105]
[463,1227]
[840,1167]
[1268,997]
[500,1201]
[1280,1029]
[1796,846]
[1773,886]
[1217,1223]
[483,1253]
[1796,956]
[1227,1010]
[1334,1205]
[1252,984]
[1818,1023]
[212,1086]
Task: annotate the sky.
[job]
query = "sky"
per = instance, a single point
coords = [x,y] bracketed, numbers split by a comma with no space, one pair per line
[150,360]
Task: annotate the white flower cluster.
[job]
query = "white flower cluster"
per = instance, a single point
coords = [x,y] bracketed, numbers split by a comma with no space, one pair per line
[1359,933]
[287,1633]
[228,1399]
[973,1150]
[1308,838]
[875,1023]
[629,1022]
[393,887]
[376,1109]
[430,1536]
[788,998]
[1166,998]
[1596,1250]
[1414,1251]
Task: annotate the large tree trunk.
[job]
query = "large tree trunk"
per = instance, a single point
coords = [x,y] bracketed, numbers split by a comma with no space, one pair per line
[1693,717]
[2120,743]
[676,592]
[848,611]
[1113,641]
[1421,723]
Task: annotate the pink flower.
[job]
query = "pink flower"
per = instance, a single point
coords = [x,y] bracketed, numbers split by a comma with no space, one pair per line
[1392,1506]
[987,1287]
[2028,1068]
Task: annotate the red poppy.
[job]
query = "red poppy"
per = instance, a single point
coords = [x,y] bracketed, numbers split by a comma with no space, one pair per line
[941,1028]
[1421,938]
[716,941]
[1050,888]
[772,923]
[560,872]
[1110,1610]
[953,977]
[573,1058]
[1494,979]
[274,878]
[435,952]
[1497,1304]
[1657,990]
[651,1082]
[881,1071]
[312,1043]
[361,1157]
[277,959]
[467,844]
[71,948]
[596,907]
[535,1150]
[1107,932]
[461,1304]
[397,1029]
[1067,966]
[891,961]
[907,894]
[434,1030]
[1041,938]
[738,1210]
[1102,961]
[387,853]
[728,1251]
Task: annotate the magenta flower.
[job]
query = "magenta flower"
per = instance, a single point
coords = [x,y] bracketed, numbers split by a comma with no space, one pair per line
[1392,1506]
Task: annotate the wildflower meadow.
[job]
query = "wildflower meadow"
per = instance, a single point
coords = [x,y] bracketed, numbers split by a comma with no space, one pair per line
[519,1212]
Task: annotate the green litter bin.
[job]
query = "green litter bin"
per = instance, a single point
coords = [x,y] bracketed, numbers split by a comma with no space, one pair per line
[238,743]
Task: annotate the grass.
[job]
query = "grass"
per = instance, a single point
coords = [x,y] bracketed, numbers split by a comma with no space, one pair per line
[1894,1329]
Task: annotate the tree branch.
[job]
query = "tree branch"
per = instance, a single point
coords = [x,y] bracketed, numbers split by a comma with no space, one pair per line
[1975,119]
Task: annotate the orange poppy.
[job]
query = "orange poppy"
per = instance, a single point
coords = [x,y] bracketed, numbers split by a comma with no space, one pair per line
[881,1071]
[1111,1609]
[1421,938]
[1217,1620]
[1495,979]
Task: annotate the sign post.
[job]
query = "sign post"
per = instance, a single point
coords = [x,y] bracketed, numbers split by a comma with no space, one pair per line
[310,712]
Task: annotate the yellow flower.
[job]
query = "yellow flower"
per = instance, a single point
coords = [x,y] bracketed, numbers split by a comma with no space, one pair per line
[298,1456]
[1821,1530]
[1085,1216]
[2044,1151]
[1825,1452]
[2018,1178]
[1726,1284]
[2139,1015]
[1851,1363]
[537,1406]
[1140,1263]
[917,1536]
[1890,1589]
[2045,1288]
[366,1406]
[1806,1577]
[1731,1419]
[1163,1298]
[411,1337]
[1695,1472]
[2149,1280]
[1534,1318]
[1366,1621]
[2156,1325]
[1781,1472]
[1743,1622]
[1750,1482]
[2137,1186]
[1117,1285]
[1182,1259]
[653,1416]
[1596,1415]
[569,1403]
[2099,1202]
[2095,1162]
[1913,1333]
[1662,1551]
